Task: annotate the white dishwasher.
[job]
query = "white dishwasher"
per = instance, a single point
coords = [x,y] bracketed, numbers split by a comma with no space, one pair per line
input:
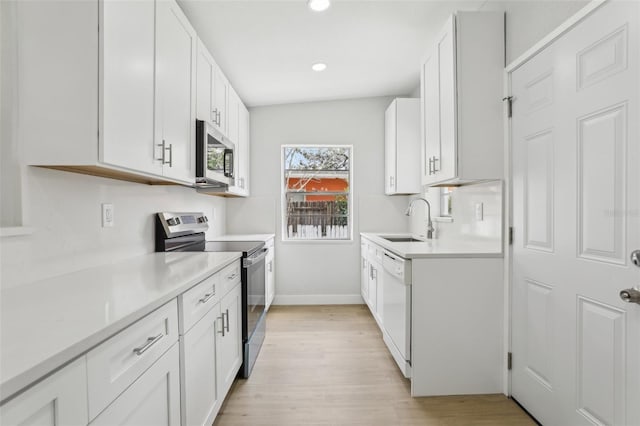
[396,312]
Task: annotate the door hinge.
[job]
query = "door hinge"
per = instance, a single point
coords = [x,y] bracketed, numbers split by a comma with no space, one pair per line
[509,360]
[509,100]
[510,235]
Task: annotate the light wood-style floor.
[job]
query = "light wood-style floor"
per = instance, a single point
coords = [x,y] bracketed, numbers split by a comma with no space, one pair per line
[328,365]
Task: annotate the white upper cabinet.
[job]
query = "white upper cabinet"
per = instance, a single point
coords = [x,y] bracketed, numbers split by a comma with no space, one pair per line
[205,67]
[402,147]
[128,52]
[219,98]
[105,72]
[461,95]
[233,115]
[175,91]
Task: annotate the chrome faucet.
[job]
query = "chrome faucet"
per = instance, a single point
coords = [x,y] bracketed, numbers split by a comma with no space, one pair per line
[429,223]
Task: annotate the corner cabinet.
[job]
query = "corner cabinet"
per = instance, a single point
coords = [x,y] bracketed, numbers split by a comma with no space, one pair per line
[401,144]
[461,92]
[117,80]
[59,400]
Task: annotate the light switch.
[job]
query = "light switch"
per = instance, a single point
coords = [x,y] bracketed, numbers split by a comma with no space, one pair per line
[108,215]
[479,212]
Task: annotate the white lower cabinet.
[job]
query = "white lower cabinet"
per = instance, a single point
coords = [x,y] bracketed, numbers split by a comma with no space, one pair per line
[229,350]
[59,400]
[115,364]
[210,350]
[153,399]
[270,274]
[200,397]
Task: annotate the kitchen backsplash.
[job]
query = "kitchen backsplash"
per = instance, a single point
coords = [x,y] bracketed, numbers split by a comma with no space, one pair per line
[65,211]
[464,222]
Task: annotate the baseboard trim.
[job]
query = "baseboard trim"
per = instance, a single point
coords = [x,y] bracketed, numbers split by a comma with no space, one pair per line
[318,299]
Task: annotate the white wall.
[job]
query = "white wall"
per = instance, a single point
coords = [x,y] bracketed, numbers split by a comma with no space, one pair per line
[65,210]
[318,272]
[529,21]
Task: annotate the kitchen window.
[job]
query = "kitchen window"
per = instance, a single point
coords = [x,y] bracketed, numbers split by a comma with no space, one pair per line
[316,192]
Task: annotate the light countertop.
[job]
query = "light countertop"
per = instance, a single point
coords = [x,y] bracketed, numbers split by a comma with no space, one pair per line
[244,237]
[434,248]
[48,323]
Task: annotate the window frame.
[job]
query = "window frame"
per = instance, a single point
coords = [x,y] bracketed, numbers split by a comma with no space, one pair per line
[283,197]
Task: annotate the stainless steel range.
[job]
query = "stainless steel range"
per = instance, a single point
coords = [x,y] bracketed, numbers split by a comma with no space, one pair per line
[179,232]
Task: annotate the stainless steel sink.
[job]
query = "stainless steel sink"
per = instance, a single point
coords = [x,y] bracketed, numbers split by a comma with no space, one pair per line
[402,239]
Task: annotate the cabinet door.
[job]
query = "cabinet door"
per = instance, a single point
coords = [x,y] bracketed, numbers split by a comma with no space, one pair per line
[200,397]
[153,399]
[243,148]
[270,277]
[364,278]
[390,149]
[446,164]
[233,116]
[204,85]
[58,400]
[219,96]
[229,357]
[127,85]
[430,118]
[372,292]
[175,76]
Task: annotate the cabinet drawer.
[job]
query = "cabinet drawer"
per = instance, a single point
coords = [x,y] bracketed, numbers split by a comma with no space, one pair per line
[229,277]
[195,303]
[118,362]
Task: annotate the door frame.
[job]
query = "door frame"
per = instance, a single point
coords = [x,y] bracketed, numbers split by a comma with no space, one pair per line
[562,29]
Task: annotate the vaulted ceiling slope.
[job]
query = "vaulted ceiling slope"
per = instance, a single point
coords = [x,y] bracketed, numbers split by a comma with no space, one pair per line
[371,48]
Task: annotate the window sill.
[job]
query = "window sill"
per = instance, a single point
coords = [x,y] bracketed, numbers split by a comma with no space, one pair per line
[446,219]
[16,231]
[303,241]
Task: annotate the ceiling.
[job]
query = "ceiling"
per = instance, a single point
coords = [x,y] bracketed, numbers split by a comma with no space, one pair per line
[371,48]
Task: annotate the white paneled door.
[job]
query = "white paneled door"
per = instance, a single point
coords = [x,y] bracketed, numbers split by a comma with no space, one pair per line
[576,217]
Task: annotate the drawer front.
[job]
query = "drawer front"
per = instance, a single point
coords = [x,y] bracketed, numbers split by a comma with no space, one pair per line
[119,361]
[195,303]
[229,277]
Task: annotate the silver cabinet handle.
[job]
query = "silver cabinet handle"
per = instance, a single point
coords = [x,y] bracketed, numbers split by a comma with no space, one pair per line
[170,163]
[232,276]
[630,295]
[435,161]
[214,115]
[227,313]
[391,182]
[150,342]
[271,266]
[161,145]
[207,297]
[219,118]
[221,318]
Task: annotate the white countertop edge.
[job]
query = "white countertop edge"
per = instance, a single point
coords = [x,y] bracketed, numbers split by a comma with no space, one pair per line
[42,370]
[478,251]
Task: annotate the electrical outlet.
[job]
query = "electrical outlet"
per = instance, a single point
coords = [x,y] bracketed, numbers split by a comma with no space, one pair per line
[108,215]
[479,211]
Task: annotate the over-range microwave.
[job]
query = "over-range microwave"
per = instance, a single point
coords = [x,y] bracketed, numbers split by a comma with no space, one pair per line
[214,158]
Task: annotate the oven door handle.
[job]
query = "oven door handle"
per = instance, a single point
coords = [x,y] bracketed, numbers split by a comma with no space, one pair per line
[256,258]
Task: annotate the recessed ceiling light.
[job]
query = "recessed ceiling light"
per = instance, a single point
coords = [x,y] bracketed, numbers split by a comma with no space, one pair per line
[319,5]
[319,67]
